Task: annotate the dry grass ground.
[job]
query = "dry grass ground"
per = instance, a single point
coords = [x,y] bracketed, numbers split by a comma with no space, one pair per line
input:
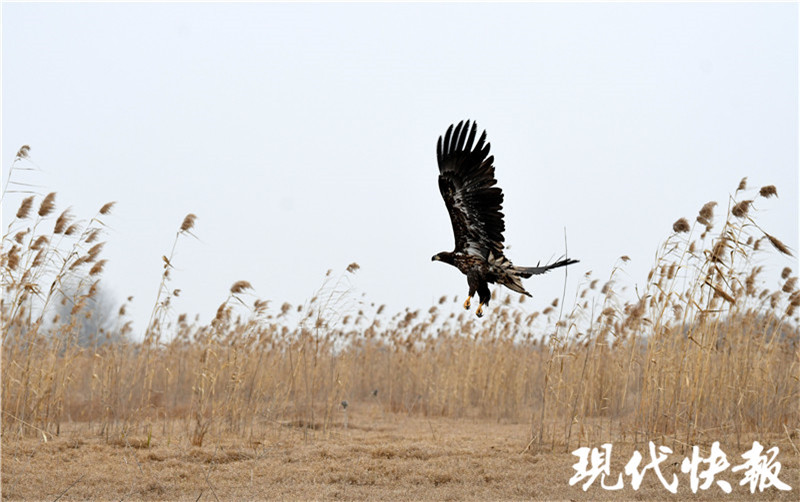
[379,456]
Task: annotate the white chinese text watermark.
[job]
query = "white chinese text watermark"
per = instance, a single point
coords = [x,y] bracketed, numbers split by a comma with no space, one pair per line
[760,470]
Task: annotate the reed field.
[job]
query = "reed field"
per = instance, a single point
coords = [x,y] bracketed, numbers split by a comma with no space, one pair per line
[331,399]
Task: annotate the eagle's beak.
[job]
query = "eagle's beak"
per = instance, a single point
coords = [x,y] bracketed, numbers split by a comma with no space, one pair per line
[435,257]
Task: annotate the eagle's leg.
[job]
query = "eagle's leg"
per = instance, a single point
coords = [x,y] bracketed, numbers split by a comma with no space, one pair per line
[484,295]
[472,289]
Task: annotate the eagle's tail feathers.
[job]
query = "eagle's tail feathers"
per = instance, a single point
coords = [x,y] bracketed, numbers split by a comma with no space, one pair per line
[526,272]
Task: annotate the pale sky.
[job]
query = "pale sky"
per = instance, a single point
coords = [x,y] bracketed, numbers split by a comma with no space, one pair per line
[303,135]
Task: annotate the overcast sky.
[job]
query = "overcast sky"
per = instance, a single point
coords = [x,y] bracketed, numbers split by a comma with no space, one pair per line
[303,135]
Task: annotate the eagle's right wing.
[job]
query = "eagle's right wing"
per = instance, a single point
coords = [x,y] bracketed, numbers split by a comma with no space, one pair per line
[467,184]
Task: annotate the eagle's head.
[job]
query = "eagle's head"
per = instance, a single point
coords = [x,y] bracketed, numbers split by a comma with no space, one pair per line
[443,256]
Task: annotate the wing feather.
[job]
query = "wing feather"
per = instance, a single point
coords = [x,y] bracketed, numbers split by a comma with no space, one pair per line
[467,185]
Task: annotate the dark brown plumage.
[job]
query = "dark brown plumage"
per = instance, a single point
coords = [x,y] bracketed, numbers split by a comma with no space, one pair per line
[467,185]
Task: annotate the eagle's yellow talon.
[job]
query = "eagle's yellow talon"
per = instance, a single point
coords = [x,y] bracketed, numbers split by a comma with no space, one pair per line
[479,312]
[466,303]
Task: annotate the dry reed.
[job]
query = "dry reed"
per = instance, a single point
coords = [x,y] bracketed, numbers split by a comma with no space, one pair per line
[705,352]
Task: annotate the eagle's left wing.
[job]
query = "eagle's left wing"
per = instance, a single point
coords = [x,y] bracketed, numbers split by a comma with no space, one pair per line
[467,184]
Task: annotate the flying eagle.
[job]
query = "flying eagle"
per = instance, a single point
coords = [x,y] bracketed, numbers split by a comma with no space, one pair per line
[467,184]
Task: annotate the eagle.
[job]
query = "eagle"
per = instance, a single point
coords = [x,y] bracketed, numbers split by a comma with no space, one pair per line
[467,184]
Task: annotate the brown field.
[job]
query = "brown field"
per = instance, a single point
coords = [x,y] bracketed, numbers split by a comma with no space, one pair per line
[379,456]
[336,399]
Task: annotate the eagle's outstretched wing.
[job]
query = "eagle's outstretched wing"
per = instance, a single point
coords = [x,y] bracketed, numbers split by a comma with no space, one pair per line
[467,184]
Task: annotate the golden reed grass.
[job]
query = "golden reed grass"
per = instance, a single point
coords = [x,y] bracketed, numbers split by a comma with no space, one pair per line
[705,352]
